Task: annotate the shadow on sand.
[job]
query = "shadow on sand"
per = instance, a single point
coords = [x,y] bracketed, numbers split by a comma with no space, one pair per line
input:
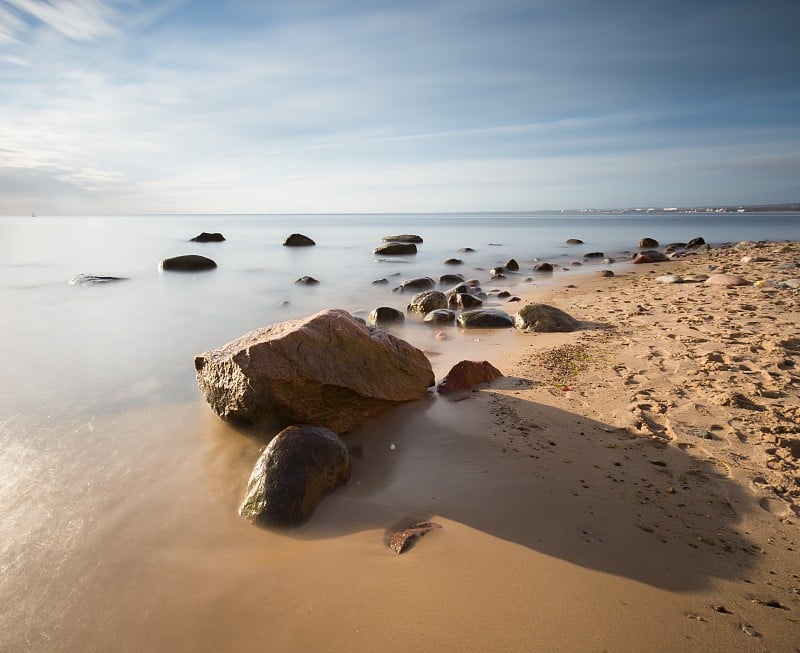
[555,482]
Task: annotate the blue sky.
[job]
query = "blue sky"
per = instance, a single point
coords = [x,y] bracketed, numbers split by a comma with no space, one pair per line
[129,106]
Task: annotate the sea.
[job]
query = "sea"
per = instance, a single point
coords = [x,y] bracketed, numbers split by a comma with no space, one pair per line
[119,487]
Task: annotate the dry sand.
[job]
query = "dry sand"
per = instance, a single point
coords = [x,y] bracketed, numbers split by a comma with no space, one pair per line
[667,438]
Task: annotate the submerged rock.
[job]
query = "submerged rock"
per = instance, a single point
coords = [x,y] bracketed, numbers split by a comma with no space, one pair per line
[93,279]
[544,318]
[327,369]
[427,301]
[298,240]
[465,375]
[402,238]
[307,281]
[396,249]
[187,263]
[419,283]
[206,237]
[297,469]
[485,318]
[385,315]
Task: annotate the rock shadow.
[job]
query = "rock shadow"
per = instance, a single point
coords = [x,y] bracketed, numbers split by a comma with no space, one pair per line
[553,481]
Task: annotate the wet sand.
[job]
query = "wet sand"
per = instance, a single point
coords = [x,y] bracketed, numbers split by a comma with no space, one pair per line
[631,486]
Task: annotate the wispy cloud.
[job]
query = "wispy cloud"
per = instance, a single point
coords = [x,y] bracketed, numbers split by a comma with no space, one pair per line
[81,20]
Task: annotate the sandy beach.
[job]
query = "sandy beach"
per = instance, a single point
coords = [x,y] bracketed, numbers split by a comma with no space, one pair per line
[662,446]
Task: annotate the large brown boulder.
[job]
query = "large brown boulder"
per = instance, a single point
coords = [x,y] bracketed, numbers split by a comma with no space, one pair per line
[298,468]
[466,375]
[328,369]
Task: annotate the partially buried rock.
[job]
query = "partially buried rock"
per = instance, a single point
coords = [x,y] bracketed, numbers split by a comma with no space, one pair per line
[605,273]
[187,263]
[385,315]
[726,280]
[590,255]
[650,256]
[93,279]
[543,267]
[427,301]
[206,237]
[648,243]
[298,468]
[327,369]
[396,249]
[402,541]
[669,278]
[485,318]
[298,240]
[402,238]
[465,375]
[307,281]
[544,318]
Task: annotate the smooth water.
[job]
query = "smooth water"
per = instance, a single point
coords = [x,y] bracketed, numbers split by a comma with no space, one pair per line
[118,488]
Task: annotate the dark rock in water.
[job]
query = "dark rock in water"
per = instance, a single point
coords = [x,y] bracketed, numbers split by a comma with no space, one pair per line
[419,283]
[93,279]
[503,294]
[380,282]
[485,318]
[574,241]
[462,300]
[306,281]
[589,255]
[694,243]
[464,250]
[650,256]
[396,249]
[605,273]
[327,369]
[402,238]
[298,240]
[206,237]
[512,265]
[576,264]
[298,468]
[544,318]
[465,375]
[385,315]
[440,316]
[451,278]
[515,299]
[187,263]
[674,247]
[497,272]
[427,301]
[647,243]
[453,261]
[402,541]
[543,267]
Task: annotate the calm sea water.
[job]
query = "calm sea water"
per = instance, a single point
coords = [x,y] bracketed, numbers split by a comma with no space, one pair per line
[108,456]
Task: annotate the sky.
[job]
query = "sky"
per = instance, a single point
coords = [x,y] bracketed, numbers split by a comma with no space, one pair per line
[134,106]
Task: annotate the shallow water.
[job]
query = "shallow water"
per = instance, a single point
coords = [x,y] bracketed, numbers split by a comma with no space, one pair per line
[119,488]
